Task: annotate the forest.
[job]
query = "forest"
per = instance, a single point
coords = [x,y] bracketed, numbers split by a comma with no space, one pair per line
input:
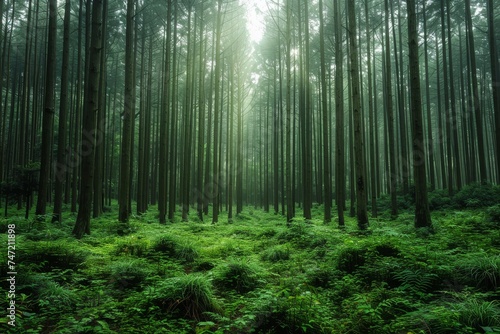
[231,166]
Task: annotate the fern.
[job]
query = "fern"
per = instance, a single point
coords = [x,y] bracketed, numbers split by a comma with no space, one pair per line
[415,280]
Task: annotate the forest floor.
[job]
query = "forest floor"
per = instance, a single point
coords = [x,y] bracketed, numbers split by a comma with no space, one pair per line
[256,275]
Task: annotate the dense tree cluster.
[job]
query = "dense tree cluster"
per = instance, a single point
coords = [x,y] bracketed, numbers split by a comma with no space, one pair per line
[178,104]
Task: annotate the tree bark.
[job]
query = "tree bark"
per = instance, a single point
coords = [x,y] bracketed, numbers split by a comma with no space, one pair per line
[82,225]
[422,215]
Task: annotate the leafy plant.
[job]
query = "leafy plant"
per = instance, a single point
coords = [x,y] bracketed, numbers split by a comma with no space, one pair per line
[239,276]
[482,270]
[415,280]
[190,296]
[478,314]
[127,274]
[276,254]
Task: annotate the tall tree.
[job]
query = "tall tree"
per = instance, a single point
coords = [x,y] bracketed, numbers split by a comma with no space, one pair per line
[422,215]
[325,121]
[495,79]
[339,117]
[362,216]
[288,129]
[49,109]
[82,225]
[390,116]
[128,117]
[61,165]
[217,78]
[164,117]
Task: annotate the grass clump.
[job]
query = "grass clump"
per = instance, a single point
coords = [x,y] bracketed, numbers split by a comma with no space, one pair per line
[179,249]
[238,276]
[50,255]
[276,254]
[493,213]
[479,314]
[350,258]
[481,270]
[188,296]
[127,274]
[165,244]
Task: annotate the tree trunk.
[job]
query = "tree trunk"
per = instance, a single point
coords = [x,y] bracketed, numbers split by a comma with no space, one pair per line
[326,123]
[422,215]
[61,165]
[128,118]
[362,216]
[48,115]
[82,225]
[495,80]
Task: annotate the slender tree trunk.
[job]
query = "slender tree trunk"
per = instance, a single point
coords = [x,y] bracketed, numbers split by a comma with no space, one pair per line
[164,118]
[82,225]
[390,118]
[217,77]
[325,121]
[372,126]
[48,115]
[339,118]
[288,162]
[128,118]
[495,80]
[475,93]
[422,215]
[61,165]
[430,142]
[362,216]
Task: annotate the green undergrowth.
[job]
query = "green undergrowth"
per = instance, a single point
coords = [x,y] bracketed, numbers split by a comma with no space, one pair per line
[255,274]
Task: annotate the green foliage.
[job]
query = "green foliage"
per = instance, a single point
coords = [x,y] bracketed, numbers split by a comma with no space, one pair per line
[478,314]
[350,258]
[56,254]
[276,254]
[239,276]
[482,270]
[174,247]
[297,310]
[166,244]
[127,274]
[415,280]
[493,213]
[439,199]
[132,246]
[477,196]
[52,295]
[188,296]
[437,319]
[186,252]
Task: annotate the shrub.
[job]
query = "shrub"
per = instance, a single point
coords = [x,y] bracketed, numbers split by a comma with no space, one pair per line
[493,213]
[127,274]
[476,196]
[186,252]
[131,246]
[320,277]
[187,296]
[297,311]
[53,296]
[53,255]
[478,314]
[439,199]
[349,259]
[276,254]
[165,244]
[485,271]
[239,276]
